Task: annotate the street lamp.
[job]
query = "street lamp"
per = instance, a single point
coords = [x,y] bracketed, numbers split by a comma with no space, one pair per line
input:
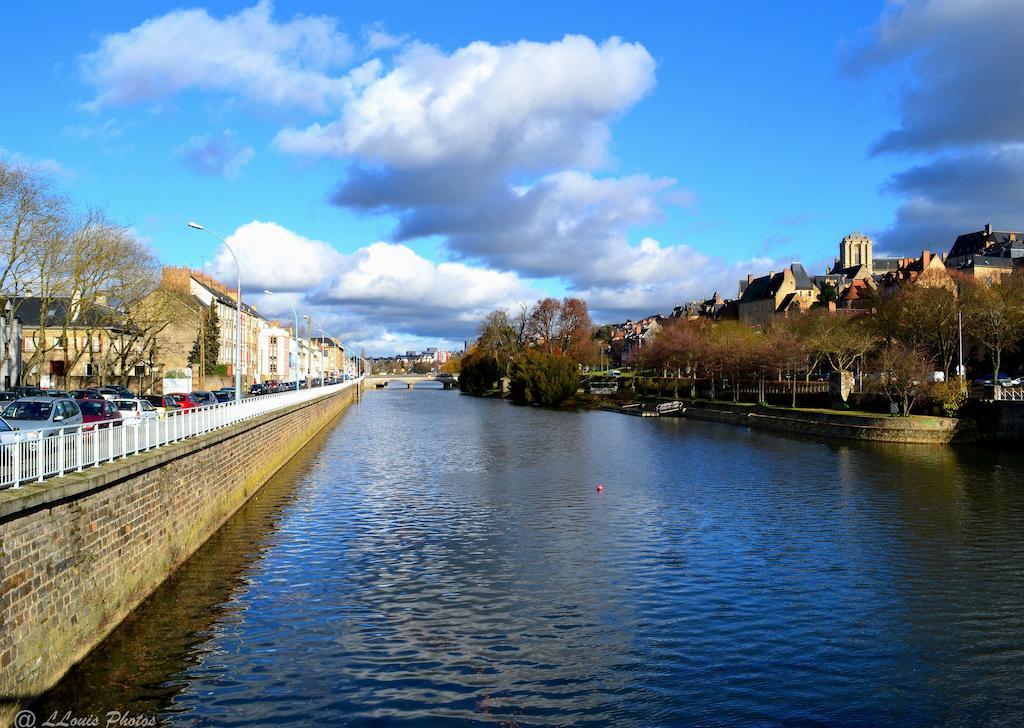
[321,345]
[298,358]
[238,310]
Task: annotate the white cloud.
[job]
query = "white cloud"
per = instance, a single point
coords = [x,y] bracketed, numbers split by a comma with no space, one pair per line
[273,257]
[379,291]
[377,38]
[45,166]
[217,155]
[249,53]
[523,105]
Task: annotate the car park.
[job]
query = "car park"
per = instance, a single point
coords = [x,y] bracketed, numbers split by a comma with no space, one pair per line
[135,411]
[96,412]
[31,415]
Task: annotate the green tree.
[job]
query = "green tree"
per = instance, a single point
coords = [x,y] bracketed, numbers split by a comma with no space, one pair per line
[479,372]
[211,342]
[545,379]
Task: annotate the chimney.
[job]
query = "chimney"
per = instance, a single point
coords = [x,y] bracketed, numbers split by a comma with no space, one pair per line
[988,229]
[750,278]
[771,275]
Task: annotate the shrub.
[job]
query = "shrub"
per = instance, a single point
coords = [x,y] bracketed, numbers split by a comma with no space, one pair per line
[950,395]
[545,379]
[479,372]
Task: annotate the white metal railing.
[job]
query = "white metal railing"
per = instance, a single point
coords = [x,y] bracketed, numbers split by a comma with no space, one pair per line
[1014,393]
[34,456]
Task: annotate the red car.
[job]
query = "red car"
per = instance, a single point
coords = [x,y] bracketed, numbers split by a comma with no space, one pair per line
[98,410]
[185,400]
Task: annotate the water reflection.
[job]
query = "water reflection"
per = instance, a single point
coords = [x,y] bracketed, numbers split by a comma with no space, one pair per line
[441,558]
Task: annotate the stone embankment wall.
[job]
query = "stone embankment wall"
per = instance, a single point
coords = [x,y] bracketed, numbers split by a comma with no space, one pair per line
[851,427]
[80,552]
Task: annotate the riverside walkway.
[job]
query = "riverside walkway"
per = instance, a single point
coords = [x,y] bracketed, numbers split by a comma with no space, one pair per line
[34,456]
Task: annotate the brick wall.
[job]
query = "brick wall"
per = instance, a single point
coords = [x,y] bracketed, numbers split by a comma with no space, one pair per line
[78,553]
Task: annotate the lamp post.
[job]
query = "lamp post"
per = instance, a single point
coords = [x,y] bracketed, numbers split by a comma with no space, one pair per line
[321,346]
[298,359]
[238,309]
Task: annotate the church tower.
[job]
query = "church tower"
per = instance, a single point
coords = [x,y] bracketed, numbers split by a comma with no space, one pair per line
[856,250]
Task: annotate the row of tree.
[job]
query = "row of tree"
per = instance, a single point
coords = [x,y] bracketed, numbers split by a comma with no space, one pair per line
[92,279]
[909,334]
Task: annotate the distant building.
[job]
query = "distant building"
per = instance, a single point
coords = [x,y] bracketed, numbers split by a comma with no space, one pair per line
[857,261]
[776,294]
[987,254]
[927,269]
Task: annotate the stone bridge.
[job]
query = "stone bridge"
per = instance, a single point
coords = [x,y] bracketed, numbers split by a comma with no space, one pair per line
[380,381]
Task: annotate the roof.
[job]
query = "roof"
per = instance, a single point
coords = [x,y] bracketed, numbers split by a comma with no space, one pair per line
[993,243]
[227,300]
[986,261]
[766,286]
[31,313]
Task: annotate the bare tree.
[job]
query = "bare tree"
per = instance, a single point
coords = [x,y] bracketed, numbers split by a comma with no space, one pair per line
[903,375]
[32,221]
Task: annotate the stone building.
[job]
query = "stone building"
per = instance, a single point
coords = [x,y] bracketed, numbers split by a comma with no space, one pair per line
[210,292]
[776,294]
[987,254]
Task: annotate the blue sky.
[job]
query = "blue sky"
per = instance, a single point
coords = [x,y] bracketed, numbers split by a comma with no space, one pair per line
[401,168]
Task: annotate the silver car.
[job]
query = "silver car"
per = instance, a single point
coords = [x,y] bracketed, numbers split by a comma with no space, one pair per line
[30,415]
[135,411]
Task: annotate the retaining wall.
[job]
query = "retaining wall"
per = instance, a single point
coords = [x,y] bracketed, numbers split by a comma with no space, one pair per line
[80,552]
[852,427]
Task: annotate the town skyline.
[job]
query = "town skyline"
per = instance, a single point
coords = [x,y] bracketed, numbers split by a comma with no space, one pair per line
[646,189]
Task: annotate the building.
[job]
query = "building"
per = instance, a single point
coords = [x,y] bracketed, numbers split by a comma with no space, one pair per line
[211,293]
[776,294]
[278,352]
[11,335]
[987,254]
[928,269]
[856,261]
[67,344]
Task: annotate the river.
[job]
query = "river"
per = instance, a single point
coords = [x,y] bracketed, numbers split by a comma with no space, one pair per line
[436,558]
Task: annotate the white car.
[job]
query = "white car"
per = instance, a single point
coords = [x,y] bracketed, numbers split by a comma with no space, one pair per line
[135,411]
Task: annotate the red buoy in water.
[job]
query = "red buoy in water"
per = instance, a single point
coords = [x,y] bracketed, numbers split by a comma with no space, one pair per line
[600,487]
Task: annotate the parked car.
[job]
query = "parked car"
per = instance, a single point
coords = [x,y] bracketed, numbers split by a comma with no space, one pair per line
[96,411]
[229,391]
[1004,380]
[30,415]
[135,411]
[162,403]
[256,389]
[115,391]
[58,393]
[223,396]
[87,393]
[7,396]
[27,391]
[205,398]
[184,400]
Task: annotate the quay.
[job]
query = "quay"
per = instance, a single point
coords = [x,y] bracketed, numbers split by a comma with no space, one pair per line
[80,551]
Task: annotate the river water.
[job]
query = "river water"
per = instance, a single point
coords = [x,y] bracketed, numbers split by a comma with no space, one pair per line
[436,558]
